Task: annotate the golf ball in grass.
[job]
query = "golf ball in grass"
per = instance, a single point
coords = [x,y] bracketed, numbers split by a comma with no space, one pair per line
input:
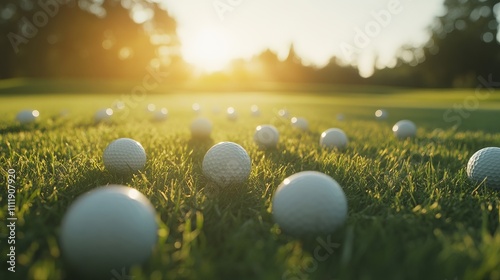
[124,156]
[381,114]
[340,117]
[266,136]
[485,164]
[334,138]
[160,115]
[108,228]
[404,129]
[309,203]
[231,114]
[226,164]
[150,107]
[27,116]
[201,128]
[255,110]
[103,115]
[300,123]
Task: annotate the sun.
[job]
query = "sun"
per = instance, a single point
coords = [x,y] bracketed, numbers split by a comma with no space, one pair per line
[207,49]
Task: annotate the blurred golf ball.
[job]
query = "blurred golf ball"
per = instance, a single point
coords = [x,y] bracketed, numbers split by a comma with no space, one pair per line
[340,117]
[231,114]
[266,136]
[160,115]
[300,123]
[226,164]
[334,138]
[485,164]
[404,129]
[108,228]
[151,107]
[309,203]
[283,113]
[124,156]
[27,116]
[381,114]
[201,128]
[196,108]
[103,115]
[255,110]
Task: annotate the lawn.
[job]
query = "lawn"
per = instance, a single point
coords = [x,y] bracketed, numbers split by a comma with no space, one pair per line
[413,213]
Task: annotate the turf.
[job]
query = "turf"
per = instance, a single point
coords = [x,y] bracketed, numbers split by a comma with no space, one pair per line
[413,214]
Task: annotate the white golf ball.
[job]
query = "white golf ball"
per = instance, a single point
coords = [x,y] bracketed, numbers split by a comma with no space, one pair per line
[103,115]
[283,113]
[160,115]
[150,107]
[108,228]
[124,156]
[255,110]
[309,202]
[232,115]
[485,164]
[300,123]
[381,114]
[334,138]
[27,116]
[266,136]
[201,128]
[404,129]
[227,164]
[196,108]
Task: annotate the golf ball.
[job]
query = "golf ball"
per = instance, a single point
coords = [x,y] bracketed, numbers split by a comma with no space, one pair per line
[231,114]
[108,228]
[255,110]
[160,115]
[340,117]
[300,123]
[381,114]
[485,164]
[266,136]
[283,113]
[226,164]
[27,116]
[150,107]
[124,156]
[201,128]
[404,129]
[334,138]
[103,115]
[309,202]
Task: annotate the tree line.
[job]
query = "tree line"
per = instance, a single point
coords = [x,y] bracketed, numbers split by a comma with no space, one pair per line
[119,39]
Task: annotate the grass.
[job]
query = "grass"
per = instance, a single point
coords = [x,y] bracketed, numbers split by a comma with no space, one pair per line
[413,214]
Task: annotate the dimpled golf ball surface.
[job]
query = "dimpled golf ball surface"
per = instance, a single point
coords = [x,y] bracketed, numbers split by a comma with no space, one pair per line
[226,164]
[107,229]
[266,136]
[309,202]
[485,164]
[124,156]
[334,138]
[404,129]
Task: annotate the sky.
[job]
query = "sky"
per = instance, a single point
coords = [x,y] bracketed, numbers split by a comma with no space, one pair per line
[212,32]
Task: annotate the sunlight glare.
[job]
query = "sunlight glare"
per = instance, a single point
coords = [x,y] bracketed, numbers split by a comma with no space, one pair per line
[208,50]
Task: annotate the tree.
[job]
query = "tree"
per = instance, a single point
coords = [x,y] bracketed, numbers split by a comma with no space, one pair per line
[84,38]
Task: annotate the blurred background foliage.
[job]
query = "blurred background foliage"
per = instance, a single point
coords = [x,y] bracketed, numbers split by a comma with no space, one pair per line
[124,39]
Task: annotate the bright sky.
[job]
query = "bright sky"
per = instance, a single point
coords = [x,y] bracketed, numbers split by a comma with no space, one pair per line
[214,31]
